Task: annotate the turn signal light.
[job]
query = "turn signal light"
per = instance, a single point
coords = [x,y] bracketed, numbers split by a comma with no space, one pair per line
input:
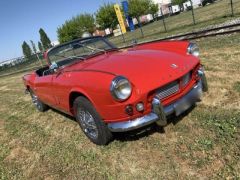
[140,107]
[129,110]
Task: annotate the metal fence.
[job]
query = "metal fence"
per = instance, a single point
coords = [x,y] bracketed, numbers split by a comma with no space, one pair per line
[18,64]
[219,12]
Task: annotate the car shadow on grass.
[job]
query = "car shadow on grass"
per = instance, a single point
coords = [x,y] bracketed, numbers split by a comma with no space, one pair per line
[140,133]
[150,129]
[63,114]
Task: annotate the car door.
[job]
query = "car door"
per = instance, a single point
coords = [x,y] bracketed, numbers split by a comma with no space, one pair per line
[61,87]
[43,89]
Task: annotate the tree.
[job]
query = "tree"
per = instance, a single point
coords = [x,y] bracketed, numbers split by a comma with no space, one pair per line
[33,47]
[153,9]
[35,51]
[75,27]
[40,46]
[46,43]
[27,52]
[138,8]
[106,16]
[87,22]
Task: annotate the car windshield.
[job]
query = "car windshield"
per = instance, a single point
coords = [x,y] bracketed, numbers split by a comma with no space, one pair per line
[78,50]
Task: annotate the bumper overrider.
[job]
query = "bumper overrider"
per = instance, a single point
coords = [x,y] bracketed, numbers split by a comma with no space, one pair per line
[159,113]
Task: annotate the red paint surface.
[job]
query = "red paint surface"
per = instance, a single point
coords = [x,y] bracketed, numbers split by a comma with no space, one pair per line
[147,67]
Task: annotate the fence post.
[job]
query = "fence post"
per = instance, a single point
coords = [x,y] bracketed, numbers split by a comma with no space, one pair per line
[194,22]
[231,2]
[123,37]
[140,25]
[163,20]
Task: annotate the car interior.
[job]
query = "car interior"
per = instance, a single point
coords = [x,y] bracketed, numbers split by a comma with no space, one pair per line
[43,71]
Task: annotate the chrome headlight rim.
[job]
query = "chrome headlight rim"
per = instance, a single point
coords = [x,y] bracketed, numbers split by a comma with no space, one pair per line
[116,94]
[193,49]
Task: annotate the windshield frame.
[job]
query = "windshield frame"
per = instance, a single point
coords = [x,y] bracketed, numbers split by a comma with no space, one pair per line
[112,47]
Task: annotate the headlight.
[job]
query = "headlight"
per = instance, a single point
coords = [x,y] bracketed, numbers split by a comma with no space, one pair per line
[121,88]
[193,49]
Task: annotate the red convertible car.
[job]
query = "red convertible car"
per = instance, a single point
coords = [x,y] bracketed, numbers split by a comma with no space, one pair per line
[115,90]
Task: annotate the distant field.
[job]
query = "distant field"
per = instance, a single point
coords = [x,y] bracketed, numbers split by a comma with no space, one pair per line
[216,13]
[203,143]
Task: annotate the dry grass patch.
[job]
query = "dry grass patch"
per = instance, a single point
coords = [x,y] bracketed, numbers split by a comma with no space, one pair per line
[203,143]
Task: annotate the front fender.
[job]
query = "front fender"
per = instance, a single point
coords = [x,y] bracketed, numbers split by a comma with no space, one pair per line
[166,46]
[96,88]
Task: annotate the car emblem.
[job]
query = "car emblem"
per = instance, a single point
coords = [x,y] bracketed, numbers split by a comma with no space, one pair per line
[174,66]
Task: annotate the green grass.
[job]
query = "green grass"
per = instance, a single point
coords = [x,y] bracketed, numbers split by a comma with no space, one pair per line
[237,86]
[203,143]
[215,13]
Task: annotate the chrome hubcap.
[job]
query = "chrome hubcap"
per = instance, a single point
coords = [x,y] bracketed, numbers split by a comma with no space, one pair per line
[88,124]
[34,99]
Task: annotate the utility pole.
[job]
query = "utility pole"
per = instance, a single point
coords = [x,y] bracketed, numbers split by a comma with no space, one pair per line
[163,20]
[124,40]
[194,22]
[231,2]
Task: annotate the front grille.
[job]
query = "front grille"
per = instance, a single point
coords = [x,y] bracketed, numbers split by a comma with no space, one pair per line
[168,90]
[173,87]
[186,79]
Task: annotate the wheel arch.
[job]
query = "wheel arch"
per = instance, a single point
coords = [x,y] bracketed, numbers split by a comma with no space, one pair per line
[28,87]
[75,94]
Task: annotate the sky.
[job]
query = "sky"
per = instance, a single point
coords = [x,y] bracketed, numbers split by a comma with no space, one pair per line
[20,20]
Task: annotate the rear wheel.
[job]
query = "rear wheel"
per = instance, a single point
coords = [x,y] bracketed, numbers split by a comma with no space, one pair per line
[90,122]
[38,104]
[204,3]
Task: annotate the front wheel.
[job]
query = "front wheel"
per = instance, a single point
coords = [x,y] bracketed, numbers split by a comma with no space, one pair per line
[38,104]
[90,122]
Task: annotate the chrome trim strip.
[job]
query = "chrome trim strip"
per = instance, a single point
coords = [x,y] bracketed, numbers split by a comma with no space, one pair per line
[186,101]
[157,108]
[168,90]
[133,124]
[177,107]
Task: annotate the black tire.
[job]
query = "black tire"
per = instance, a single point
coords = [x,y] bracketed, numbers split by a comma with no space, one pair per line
[94,128]
[204,3]
[37,102]
[204,83]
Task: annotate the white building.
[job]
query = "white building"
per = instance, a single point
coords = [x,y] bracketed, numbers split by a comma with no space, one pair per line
[167,7]
[164,4]
[55,43]
[162,1]
[195,3]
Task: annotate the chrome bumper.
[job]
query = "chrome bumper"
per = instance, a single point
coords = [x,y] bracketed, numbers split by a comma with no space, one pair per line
[159,113]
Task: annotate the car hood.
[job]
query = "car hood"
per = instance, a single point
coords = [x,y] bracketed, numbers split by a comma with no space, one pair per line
[144,68]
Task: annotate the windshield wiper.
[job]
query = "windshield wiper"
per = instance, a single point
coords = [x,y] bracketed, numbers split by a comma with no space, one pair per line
[92,48]
[71,57]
